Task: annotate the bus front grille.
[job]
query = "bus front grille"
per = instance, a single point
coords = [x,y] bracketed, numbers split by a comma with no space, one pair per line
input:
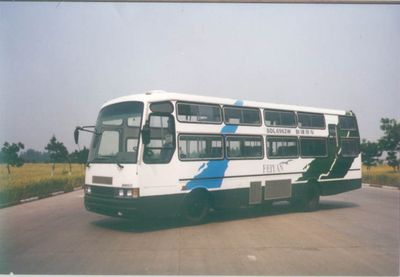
[105,192]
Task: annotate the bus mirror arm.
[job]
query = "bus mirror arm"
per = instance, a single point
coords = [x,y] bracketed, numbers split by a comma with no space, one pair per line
[146,133]
[84,129]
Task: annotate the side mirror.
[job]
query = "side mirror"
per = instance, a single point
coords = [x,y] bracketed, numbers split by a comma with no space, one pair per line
[146,133]
[76,134]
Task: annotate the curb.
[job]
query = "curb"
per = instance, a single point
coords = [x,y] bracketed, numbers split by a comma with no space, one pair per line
[381,186]
[29,199]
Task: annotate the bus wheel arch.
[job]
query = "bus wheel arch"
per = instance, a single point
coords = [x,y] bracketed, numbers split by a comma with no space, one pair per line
[311,196]
[309,200]
[196,205]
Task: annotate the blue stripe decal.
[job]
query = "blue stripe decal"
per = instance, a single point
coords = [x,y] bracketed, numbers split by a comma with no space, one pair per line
[213,168]
[229,129]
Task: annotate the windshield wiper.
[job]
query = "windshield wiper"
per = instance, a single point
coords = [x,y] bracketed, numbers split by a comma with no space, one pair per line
[112,158]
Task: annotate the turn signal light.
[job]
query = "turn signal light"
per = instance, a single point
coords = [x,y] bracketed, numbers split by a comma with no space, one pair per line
[135,192]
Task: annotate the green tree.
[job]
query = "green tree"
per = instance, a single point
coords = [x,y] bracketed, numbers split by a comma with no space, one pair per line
[33,156]
[370,153]
[390,142]
[58,153]
[80,156]
[9,153]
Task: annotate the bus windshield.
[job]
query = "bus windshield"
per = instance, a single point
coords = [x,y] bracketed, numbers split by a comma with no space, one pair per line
[117,134]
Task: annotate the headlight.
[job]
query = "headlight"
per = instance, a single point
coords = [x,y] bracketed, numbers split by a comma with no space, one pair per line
[127,193]
[135,193]
[88,189]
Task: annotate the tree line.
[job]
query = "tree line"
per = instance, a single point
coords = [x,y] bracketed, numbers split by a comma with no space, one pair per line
[55,152]
[389,143]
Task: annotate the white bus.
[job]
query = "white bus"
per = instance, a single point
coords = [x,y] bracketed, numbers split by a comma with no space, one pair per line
[162,153]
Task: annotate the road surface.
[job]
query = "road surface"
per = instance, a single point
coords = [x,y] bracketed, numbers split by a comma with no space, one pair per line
[355,233]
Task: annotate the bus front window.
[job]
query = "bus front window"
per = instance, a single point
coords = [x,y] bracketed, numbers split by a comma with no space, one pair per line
[117,134]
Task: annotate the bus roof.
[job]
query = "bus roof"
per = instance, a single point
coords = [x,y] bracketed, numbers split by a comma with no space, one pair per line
[158,95]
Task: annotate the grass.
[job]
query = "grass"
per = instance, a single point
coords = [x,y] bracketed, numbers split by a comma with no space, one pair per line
[33,180]
[381,175]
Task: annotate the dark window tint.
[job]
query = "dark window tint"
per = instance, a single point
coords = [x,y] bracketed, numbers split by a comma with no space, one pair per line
[242,147]
[162,107]
[245,116]
[311,120]
[347,123]
[282,147]
[279,118]
[199,113]
[350,147]
[198,147]
[313,147]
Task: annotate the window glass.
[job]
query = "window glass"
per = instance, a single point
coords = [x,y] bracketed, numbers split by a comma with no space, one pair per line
[332,130]
[134,121]
[246,116]
[109,143]
[347,123]
[131,145]
[162,142]
[311,120]
[244,147]
[350,147]
[313,147]
[198,147]
[162,107]
[116,122]
[282,147]
[117,129]
[199,113]
[279,118]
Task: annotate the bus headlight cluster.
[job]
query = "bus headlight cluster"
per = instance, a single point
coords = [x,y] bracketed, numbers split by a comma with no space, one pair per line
[88,189]
[128,193]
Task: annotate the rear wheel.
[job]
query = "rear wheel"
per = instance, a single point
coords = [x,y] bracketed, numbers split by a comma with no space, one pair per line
[310,200]
[196,207]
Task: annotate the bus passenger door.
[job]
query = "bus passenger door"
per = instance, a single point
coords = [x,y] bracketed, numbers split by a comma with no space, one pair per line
[157,175]
[162,139]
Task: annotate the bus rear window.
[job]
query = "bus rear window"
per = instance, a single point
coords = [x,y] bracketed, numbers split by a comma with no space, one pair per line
[347,123]
[350,147]
[203,113]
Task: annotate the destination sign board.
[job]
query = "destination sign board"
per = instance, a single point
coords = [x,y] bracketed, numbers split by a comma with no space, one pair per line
[276,131]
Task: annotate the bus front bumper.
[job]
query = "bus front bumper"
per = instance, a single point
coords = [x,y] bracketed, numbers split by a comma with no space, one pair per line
[127,208]
[141,207]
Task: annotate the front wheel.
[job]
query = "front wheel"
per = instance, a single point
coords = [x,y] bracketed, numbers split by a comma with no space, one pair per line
[196,207]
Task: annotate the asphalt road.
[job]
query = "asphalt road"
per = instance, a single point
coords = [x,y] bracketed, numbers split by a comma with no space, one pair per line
[355,233]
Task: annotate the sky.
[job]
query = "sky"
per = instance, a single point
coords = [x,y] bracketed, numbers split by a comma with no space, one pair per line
[59,62]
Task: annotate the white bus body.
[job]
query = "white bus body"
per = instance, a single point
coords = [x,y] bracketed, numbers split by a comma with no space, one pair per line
[208,152]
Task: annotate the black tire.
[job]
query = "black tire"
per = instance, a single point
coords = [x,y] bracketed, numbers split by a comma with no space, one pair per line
[310,200]
[196,207]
